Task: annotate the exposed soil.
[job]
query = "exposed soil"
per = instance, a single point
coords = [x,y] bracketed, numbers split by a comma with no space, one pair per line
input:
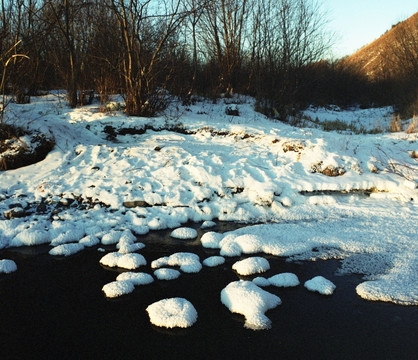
[15,153]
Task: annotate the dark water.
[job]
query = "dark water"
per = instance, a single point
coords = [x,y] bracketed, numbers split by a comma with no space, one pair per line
[53,308]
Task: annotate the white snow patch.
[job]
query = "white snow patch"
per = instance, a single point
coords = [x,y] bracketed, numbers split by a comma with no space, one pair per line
[66,249]
[211,239]
[126,261]
[166,274]
[118,288]
[188,262]
[246,298]
[174,312]
[31,237]
[184,233]
[89,241]
[207,224]
[139,278]
[321,285]
[284,280]
[252,265]
[7,266]
[261,281]
[213,261]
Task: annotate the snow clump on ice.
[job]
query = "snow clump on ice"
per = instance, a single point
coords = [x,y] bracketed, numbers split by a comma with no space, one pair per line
[66,249]
[126,261]
[136,278]
[321,285]
[184,233]
[246,298]
[252,265]
[166,274]
[284,280]
[210,240]
[214,261]
[188,262]
[7,266]
[208,224]
[118,288]
[174,312]
[31,237]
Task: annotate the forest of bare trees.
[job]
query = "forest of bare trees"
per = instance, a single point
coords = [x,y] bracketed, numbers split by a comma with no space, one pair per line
[147,49]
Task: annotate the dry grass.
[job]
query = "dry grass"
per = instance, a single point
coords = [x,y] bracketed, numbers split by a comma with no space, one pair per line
[396,124]
[413,128]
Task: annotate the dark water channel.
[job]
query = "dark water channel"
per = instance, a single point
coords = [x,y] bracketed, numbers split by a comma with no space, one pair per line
[53,308]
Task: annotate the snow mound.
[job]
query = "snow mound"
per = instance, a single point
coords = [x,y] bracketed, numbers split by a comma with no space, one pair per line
[188,262]
[284,280]
[214,261]
[210,240]
[166,274]
[66,249]
[7,266]
[184,233]
[252,265]
[174,312]
[118,288]
[126,261]
[112,237]
[261,281]
[207,224]
[321,285]
[89,241]
[31,237]
[136,278]
[246,298]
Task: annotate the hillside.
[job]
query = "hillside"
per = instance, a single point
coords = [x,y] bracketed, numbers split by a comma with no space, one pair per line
[386,55]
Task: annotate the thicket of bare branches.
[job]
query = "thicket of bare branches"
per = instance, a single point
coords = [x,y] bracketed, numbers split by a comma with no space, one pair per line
[145,49]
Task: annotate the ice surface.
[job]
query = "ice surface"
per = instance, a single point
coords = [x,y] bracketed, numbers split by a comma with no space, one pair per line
[7,266]
[139,278]
[66,249]
[118,288]
[184,233]
[166,274]
[174,312]
[252,265]
[284,280]
[321,285]
[246,298]
[213,261]
[126,261]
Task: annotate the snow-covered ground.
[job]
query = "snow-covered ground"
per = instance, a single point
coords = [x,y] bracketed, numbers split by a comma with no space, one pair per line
[313,194]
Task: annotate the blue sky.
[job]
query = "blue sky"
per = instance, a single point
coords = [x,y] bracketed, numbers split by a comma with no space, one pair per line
[359,22]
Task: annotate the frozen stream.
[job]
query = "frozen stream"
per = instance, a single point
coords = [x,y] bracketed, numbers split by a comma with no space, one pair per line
[54,307]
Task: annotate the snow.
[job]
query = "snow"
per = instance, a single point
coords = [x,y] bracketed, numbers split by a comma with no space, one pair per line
[321,285]
[174,312]
[184,233]
[126,261]
[246,298]
[139,278]
[66,249]
[7,266]
[188,262]
[284,280]
[214,261]
[166,274]
[118,288]
[252,265]
[247,169]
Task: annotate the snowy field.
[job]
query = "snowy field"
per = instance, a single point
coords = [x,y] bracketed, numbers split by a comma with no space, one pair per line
[305,194]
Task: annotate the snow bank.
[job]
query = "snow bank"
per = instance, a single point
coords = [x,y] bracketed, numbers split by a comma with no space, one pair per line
[31,237]
[321,285]
[7,266]
[126,261]
[251,266]
[118,288]
[174,312]
[211,240]
[246,298]
[184,233]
